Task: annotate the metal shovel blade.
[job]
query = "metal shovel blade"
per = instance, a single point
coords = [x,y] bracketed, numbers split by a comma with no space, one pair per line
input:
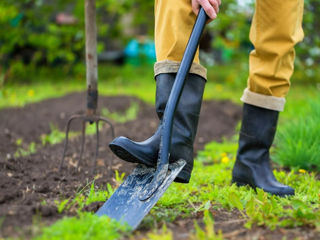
[124,205]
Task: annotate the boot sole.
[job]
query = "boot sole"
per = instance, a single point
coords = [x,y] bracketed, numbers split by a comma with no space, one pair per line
[241,183]
[123,154]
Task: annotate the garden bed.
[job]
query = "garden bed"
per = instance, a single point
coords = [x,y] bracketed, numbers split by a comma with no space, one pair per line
[30,184]
[34,194]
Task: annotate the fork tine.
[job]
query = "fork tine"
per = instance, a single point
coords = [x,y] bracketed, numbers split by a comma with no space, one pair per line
[91,119]
[97,148]
[83,140]
[66,140]
[109,123]
[110,163]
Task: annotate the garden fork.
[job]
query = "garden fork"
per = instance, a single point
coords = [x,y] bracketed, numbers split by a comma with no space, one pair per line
[92,83]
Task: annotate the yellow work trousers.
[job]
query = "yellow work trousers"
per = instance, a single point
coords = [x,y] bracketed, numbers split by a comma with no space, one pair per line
[276,28]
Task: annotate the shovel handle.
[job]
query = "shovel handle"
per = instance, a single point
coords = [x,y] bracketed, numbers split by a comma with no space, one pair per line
[164,153]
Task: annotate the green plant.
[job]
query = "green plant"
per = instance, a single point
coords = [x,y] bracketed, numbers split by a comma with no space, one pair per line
[84,197]
[54,137]
[130,114]
[24,151]
[96,195]
[1,221]
[297,142]
[308,51]
[29,42]
[208,233]
[210,189]
[215,152]
[164,234]
[210,186]
[62,205]
[85,226]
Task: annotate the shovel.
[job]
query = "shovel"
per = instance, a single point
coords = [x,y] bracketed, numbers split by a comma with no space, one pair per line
[135,197]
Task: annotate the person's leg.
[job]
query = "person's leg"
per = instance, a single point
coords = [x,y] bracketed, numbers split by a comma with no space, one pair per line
[275,30]
[173,25]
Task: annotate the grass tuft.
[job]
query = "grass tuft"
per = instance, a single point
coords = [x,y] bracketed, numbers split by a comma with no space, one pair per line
[85,226]
[298,141]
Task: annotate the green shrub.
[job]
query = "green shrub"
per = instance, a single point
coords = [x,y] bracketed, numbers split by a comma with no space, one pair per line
[298,141]
[32,36]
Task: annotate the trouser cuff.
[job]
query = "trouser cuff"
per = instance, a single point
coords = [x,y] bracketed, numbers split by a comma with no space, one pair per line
[264,101]
[168,66]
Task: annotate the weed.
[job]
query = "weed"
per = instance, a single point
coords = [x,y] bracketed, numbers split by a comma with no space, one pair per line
[130,114]
[43,202]
[96,195]
[84,198]
[164,234]
[55,136]
[61,205]
[24,151]
[208,233]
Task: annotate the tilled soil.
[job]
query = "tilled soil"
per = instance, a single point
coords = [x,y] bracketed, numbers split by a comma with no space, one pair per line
[27,182]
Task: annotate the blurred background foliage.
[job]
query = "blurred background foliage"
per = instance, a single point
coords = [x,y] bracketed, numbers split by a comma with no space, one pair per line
[33,35]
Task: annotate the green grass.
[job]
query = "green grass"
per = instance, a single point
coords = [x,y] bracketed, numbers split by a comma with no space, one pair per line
[210,188]
[84,226]
[213,183]
[115,80]
[298,141]
[90,193]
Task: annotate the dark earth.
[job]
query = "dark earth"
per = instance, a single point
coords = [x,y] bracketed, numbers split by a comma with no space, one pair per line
[26,182]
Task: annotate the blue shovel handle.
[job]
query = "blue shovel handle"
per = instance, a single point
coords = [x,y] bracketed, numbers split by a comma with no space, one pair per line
[163,156]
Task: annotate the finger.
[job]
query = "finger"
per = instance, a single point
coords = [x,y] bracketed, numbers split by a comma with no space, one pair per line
[195,7]
[219,1]
[210,11]
[215,5]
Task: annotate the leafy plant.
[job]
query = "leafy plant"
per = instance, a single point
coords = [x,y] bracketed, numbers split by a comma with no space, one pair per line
[84,226]
[215,152]
[212,183]
[208,233]
[24,151]
[33,37]
[164,234]
[130,114]
[62,205]
[297,142]
[96,195]
[54,137]
[84,197]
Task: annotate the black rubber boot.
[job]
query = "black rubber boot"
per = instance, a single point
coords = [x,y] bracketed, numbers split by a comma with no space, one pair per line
[184,127]
[252,166]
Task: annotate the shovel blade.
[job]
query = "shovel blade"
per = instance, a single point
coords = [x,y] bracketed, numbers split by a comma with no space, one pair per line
[124,205]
